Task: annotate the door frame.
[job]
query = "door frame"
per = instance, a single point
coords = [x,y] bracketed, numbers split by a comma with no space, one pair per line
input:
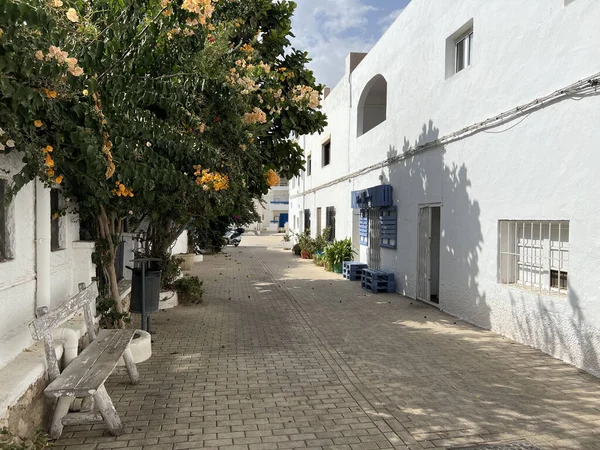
[420,206]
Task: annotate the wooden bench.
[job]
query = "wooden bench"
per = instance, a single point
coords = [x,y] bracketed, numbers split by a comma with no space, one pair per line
[85,376]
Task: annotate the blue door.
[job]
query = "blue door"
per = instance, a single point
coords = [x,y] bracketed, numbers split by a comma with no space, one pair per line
[283,218]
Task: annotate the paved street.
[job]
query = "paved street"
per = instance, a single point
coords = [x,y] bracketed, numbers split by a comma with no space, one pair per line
[283,355]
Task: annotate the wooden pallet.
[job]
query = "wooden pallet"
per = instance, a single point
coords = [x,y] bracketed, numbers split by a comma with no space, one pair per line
[353,270]
[377,281]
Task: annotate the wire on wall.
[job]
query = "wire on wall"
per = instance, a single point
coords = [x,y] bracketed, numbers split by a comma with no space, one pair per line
[579,89]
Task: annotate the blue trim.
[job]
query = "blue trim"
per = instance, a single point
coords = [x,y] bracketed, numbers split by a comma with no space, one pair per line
[374,197]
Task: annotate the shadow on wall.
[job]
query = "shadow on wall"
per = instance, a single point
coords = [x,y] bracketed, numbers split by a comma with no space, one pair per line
[553,333]
[425,179]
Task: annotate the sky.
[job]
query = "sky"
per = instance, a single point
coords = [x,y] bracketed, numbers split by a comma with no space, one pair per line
[330,29]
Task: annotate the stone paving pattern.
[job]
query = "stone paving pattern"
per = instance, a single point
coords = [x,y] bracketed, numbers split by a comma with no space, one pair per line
[283,355]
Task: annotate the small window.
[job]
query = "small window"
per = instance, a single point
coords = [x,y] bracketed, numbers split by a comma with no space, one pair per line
[535,255]
[309,165]
[326,153]
[463,52]
[3,220]
[330,221]
[459,50]
[307,220]
[55,220]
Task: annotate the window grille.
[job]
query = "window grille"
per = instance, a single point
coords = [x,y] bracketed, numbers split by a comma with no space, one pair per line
[306,220]
[309,165]
[534,255]
[330,221]
[363,227]
[54,221]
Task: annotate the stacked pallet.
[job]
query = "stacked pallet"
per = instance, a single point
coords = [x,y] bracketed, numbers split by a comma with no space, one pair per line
[353,270]
[377,281]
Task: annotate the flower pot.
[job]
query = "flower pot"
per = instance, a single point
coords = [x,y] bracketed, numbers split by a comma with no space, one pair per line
[338,267]
[188,260]
[304,255]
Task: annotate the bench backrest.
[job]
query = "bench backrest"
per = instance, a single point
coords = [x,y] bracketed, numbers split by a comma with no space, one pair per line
[46,322]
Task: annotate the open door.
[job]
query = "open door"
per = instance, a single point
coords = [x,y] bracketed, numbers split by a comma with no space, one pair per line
[428,258]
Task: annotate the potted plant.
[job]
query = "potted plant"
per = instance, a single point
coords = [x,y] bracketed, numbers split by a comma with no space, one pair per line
[338,252]
[306,245]
[296,249]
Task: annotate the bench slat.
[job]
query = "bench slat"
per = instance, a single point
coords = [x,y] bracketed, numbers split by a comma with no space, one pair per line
[93,366]
[46,323]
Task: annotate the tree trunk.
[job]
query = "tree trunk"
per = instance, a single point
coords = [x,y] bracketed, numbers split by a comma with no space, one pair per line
[110,258]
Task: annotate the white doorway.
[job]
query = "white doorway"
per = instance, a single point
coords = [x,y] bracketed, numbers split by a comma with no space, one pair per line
[428,257]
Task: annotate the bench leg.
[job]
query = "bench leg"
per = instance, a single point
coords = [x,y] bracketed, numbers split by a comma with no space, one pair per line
[61,410]
[87,404]
[134,376]
[108,411]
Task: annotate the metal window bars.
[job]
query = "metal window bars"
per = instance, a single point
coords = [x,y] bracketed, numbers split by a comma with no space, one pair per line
[534,255]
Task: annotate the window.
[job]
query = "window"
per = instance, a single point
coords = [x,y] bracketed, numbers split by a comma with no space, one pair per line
[326,153]
[330,221]
[3,220]
[306,220]
[459,49]
[55,243]
[372,106]
[463,52]
[534,255]
[309,165]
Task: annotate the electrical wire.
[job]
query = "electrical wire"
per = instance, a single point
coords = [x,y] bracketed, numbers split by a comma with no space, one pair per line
[581,88]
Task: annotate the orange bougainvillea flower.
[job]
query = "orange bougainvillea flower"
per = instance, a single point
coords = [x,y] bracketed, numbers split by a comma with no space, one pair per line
[48,149]
[272,178]
[50,172]
[59,179]
[72,15]
[49,161]
[38,123]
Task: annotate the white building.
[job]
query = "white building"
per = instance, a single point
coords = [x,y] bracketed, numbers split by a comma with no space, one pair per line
[482,118]
[41,263]
[274,207]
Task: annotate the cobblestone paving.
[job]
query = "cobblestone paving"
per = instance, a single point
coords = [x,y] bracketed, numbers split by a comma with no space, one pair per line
[283,355]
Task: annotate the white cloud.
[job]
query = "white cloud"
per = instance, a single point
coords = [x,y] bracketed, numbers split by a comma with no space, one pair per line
[328,30]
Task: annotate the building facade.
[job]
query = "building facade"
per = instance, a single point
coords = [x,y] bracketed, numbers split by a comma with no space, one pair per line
[42,261]
[460,154]
[273,208]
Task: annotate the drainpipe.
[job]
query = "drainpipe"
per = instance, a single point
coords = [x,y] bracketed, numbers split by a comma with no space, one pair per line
[70,340]
[42,245]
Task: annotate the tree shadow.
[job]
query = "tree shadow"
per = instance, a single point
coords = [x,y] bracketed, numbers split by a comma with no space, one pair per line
[425,179]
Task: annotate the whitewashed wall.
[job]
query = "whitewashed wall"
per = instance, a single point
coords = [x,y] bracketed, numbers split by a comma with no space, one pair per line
[541,169]
[69,267]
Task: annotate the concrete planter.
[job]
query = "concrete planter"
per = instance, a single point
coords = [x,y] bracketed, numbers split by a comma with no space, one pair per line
[198,258]
[188,260]
[168,300]
[141,347]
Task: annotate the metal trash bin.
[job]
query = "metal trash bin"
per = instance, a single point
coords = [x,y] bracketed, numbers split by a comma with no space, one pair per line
[152,291]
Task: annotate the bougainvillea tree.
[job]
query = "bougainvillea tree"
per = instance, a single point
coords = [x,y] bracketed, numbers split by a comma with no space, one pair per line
[167,111]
